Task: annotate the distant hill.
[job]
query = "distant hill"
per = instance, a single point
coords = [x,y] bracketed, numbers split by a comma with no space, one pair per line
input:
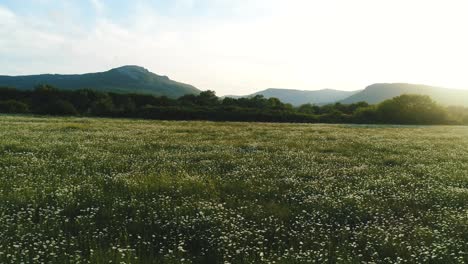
[126,79]
[299,97]
[379,92]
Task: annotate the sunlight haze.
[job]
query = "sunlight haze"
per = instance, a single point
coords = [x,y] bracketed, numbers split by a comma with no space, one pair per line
[242,46]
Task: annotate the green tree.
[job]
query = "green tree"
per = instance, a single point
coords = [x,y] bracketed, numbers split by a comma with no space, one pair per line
[309,109]
[207,98]
[59,107]
[102,107]
[411,109]
[366,115]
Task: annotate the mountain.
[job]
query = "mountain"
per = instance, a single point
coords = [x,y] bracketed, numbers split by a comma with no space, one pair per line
[379,92]
[126,79]
[299,97]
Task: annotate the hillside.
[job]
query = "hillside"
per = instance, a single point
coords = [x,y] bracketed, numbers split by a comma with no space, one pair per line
[379,92]
[126,79]
[299,97]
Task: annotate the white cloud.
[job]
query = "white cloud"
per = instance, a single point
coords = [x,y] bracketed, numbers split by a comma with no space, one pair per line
[6,15]
[184,4]
[98,6]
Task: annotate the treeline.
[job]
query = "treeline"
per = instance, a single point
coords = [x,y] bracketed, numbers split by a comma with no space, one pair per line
[47,100]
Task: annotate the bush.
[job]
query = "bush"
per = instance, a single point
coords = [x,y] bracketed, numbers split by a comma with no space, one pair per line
[12,106]
[309,109]
[465,120]
[59,107]
[366,115]
[412,109]
[458,114]
[103,107]
[334,116]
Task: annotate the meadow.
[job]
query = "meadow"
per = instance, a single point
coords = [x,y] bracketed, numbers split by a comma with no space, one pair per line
[91,190]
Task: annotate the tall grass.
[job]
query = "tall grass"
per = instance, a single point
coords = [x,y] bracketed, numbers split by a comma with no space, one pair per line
[127,191]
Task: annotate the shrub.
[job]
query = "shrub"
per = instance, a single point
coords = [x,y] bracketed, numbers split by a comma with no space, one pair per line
[59,107]
[13,106]
[366,115]
[412,109]
[103,107]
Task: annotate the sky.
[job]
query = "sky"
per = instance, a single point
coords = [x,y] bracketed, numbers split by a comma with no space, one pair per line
[242,46]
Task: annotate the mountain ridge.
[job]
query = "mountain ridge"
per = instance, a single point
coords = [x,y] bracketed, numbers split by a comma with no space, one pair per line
[298,97]
[137,79]
[379,92]
[124,79]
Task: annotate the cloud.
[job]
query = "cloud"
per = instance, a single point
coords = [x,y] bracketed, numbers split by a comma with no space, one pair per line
[242,46]
[98,6]
[6,16]
[184,4]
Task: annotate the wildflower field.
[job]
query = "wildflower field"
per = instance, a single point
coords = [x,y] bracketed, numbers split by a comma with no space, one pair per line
[79,190]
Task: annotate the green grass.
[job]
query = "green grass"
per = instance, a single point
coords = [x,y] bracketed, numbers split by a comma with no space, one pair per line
[76,190]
